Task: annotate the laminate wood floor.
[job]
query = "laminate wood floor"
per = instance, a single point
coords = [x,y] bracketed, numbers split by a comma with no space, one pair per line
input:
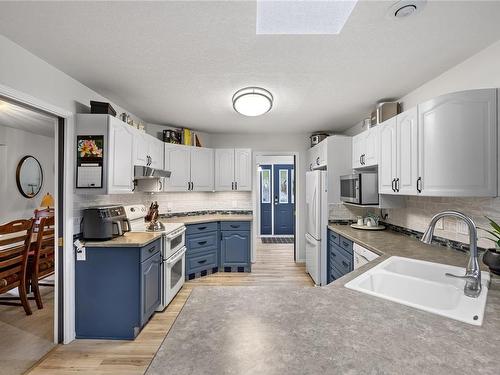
[25,339]
[274,266]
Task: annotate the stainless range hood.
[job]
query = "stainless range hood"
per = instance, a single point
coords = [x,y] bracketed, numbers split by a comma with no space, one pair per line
[142,172]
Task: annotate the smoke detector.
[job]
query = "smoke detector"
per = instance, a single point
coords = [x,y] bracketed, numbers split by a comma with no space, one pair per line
[406,8]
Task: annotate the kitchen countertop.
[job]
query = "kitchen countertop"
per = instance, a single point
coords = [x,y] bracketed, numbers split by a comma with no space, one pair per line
[329,330]
[197,219]
[129,239]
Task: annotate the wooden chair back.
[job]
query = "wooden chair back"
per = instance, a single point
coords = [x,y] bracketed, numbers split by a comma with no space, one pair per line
[39,214]
[15,239]
[45,248]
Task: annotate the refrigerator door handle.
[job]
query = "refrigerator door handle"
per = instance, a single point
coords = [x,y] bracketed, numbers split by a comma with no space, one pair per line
[310,239]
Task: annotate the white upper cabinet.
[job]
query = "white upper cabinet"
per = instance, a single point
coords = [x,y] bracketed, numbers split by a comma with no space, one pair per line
[202,169]
[243,169]
[224,169]
[192,168]
[120,174]
[388,156]
[178,162]
[233,169]
[365,148]
[317,156]
[407,145]
[148,150]
[457,144]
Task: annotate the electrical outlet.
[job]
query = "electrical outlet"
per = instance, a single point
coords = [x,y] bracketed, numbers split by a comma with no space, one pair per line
[440,224]
[462,228]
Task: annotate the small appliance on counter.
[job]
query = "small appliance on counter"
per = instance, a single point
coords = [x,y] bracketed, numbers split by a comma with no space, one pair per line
[359,188]
[104,223]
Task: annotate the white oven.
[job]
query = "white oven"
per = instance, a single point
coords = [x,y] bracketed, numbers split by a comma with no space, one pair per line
[173,277]
[173,241]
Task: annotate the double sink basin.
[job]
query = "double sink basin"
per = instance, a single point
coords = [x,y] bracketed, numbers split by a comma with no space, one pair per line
[423,285]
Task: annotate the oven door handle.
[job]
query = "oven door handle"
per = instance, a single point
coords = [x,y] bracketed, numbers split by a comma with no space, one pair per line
[174,258]
[176,233]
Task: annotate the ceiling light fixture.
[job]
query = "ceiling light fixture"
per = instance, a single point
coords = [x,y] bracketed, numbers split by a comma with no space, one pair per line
[252,101]
[406,8]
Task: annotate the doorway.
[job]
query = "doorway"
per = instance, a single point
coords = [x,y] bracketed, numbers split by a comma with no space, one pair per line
[31,159]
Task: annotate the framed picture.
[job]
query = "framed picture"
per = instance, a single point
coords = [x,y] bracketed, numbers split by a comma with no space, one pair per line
[89,161]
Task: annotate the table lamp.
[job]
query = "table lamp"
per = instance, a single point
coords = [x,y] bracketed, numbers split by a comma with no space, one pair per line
[47,201]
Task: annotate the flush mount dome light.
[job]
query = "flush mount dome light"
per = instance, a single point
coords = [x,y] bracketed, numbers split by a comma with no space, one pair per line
[252,101]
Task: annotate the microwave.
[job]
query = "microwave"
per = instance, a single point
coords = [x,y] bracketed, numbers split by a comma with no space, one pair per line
[359,188]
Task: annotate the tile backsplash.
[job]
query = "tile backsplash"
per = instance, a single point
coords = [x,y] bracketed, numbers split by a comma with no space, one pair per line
[169,202]
[419,210]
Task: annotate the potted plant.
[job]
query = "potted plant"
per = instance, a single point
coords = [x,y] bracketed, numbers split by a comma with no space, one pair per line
[492,256]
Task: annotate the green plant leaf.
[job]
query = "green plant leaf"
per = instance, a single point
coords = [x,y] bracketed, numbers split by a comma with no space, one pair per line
[495,234]
[493,224]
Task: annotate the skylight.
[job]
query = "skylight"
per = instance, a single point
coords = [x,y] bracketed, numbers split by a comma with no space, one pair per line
[303,16]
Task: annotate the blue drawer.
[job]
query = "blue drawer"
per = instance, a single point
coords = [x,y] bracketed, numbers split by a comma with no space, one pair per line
[149,250]
[201,242]
[333,237]
[340,259]
[201,228]
[200,262]
[235,225]
[335,273]
[346,244]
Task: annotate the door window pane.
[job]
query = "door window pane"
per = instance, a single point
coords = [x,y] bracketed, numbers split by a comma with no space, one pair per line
[266,186]
[283,173]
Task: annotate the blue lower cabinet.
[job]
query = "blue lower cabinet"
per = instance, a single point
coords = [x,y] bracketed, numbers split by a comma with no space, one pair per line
[340,256]
[211,246]
[150,286]
[117,289]
[235,249]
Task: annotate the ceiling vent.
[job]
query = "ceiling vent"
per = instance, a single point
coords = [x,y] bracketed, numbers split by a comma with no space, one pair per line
[406,8]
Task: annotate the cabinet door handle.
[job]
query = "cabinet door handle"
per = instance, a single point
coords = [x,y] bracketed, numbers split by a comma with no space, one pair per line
[236,185]
[310,167]
[344,263]
[234,226]
[152,249]
[202,261]
[317,160]
[202,228]
[392,185]
[232,185]
[192,185]
[202,242]
[345,243]
[397,184]
[361,159]
[334,255]
[419,184]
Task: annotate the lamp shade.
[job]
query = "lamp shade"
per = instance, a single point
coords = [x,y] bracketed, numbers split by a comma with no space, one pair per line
[252,101]
[47,201]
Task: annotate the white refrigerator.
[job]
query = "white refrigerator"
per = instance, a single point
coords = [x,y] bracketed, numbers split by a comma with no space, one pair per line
[316,225]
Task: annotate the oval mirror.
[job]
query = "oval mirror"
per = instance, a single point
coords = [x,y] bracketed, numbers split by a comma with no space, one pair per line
[29,176]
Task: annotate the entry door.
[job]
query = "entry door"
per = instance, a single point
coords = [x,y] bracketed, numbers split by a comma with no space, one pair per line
[266,199]
[283,199]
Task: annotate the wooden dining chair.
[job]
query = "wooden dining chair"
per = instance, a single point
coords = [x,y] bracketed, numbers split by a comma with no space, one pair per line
[42,263]
[39,214]
[15,239]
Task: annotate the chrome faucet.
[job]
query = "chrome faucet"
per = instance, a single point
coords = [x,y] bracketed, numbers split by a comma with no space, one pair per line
[472,273]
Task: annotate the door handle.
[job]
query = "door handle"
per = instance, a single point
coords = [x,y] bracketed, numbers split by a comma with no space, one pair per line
[419,184]
[275,200]
[397,184]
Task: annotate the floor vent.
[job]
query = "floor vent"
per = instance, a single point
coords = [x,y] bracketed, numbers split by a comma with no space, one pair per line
[277,240]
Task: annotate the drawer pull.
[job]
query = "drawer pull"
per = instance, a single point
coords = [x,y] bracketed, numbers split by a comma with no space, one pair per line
[152,249]
[202,261]
[202,242]
[334,254]
[345,264]
[234,226]
[202,228]
[345,243]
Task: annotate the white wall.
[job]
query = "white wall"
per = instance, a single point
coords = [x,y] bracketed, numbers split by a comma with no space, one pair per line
[273,143]
[17,144]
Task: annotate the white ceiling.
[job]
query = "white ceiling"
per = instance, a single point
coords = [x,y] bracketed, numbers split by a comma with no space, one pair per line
[180,62]
[17,117]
